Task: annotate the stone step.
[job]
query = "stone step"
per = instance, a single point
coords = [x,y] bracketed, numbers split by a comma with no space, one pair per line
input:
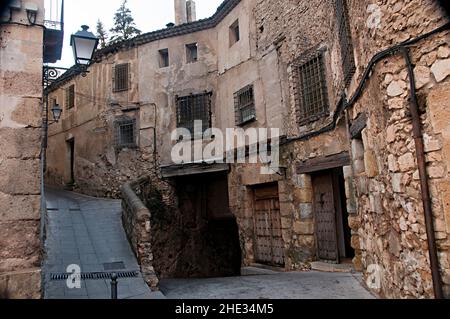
[327,267]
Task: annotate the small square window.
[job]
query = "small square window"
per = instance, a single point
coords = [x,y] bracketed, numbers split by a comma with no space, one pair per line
[125,133]
[244,103]
[312,92]
[191,53]
[121,77]
[70,97]
[164,58]
[193,108]
[234,33]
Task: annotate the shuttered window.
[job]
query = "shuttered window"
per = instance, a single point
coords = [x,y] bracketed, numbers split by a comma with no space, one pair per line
[194,108]
[311,91]
[70,97]
[345,39]
[121,77]
[244,104]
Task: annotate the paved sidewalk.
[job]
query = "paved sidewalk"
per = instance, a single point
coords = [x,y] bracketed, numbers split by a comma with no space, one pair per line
[269,285]
[88,232]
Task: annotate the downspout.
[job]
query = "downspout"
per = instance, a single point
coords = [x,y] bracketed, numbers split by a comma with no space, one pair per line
[425,189]
[418,138]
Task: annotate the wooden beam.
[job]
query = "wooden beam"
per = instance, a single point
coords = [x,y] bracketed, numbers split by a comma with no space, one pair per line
[193,169]
[323,163]
[358,125]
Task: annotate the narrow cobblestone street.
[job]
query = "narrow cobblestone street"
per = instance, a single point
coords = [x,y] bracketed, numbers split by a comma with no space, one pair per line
[269,285]
[88,232]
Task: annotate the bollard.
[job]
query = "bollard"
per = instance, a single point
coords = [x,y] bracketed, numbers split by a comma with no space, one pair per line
[113,286]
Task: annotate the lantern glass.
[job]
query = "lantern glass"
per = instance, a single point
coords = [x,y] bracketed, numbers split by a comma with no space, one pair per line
[56,111]
[83,45]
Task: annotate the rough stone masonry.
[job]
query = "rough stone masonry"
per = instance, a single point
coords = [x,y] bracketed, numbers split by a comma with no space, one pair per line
[20,137]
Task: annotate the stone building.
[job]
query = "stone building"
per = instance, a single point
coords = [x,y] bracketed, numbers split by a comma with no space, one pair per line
[362,146]
[21,58]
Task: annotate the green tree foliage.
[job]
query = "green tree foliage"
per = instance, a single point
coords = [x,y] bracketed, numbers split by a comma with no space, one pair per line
[124,26]
[102,34]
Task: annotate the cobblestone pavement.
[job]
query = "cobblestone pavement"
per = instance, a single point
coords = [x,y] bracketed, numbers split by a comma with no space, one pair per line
[269,285]
[88,232]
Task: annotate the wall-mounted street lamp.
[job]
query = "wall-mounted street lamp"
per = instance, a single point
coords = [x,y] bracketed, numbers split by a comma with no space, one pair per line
[83,44]
[56,112]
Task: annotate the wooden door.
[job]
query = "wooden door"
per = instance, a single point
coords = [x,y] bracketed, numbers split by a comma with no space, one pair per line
[325,218]
[269,248]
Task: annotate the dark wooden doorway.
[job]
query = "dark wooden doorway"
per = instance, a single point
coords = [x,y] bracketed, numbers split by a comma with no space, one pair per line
[71,158]
[269,248]
[207,234]
[333,234]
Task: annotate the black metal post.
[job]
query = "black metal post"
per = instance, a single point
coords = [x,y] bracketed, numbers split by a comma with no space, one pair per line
[113,286]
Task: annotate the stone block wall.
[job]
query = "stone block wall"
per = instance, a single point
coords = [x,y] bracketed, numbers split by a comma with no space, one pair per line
[20,136]
[382,185]
[136,220]
[390,221]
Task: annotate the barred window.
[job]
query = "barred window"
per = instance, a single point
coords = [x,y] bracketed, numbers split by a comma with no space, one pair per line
[312,95]
[191,53]
[345,39]
[244,104]
[194,108]
[125,133]
[121,77]
[70,97]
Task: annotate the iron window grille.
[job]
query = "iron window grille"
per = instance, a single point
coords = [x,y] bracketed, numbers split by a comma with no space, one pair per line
[311,92]
[70,97]
[164,58]
[191,53]
[345,39]
[244,103]
[193,108]
[235,35]
[121,77]
[125,133]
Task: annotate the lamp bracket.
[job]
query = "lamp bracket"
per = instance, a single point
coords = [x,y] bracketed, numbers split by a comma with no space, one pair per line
[52,73]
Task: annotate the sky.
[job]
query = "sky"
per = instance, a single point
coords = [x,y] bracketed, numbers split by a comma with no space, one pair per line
[149,15]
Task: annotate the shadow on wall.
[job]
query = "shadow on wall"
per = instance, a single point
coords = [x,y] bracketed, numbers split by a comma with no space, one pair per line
[188,242]
[3,5]
[446,5]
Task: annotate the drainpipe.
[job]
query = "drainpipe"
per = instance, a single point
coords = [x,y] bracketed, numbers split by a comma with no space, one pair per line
[421,163]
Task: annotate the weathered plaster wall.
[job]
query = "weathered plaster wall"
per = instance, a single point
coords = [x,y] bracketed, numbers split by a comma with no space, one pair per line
[20,118]
[100,168]
[160,86]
